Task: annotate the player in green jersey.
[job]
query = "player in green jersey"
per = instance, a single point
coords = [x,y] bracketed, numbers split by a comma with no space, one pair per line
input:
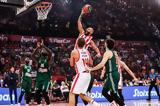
[26,84]
[112,74]
[42,55]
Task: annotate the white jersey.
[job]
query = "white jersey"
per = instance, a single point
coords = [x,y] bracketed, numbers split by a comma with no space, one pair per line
[82,61]
[120,83]
[87,40]
[82,79]
[120,70]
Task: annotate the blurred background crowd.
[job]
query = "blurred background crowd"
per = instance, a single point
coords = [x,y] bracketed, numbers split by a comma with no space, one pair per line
[140,56]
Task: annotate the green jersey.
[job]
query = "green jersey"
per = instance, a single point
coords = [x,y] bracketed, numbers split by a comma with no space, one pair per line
[26,71]
[112,74]
[43,63]
[111,65]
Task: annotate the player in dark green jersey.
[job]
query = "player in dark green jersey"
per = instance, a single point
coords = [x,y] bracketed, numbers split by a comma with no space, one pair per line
[26,84]
[43,59]
[112,74]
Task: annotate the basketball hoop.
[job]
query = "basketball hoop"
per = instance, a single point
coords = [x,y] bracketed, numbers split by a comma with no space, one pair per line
[43,9]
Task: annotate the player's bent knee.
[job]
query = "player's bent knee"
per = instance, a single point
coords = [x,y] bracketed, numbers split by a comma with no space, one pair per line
[82,95]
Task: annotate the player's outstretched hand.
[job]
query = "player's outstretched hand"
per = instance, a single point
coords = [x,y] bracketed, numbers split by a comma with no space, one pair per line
[135,79]
[88,68]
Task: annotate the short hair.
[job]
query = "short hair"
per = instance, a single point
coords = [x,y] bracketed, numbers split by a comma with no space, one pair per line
[110,43]
[81,42]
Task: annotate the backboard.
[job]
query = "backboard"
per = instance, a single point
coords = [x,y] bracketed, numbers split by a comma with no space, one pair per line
[27,5]
[21,6]
[12,3]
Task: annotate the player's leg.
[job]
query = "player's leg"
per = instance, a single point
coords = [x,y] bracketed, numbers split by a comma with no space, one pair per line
[22,91]
[105,90]
[120,87]
[71,99]
[21,96]
[45,91]
[76,99]
[89,89]
[114,78]
[106,94]
[89,100]
[120,94]
[28,91]
[39,85]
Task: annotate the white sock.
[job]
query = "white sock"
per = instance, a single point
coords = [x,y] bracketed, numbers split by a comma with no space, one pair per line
[94,103]
[48,105]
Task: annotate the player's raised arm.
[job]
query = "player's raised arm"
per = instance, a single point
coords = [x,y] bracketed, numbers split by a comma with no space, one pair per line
[35,52]
[80,26]
[49,52]
[128,70]
[95,48]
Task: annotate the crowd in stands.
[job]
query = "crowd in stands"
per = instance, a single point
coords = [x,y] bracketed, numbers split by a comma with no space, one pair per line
[140,56]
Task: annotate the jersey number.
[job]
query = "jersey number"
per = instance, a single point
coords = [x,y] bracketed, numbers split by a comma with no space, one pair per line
[85,61]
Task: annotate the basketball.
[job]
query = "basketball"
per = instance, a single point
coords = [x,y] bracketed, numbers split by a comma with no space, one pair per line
[87,8]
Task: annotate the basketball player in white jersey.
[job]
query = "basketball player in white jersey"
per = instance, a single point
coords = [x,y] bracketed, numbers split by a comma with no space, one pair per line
[80,57]
[87,35]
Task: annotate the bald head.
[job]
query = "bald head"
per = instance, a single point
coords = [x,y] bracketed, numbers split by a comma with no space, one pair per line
[89,31]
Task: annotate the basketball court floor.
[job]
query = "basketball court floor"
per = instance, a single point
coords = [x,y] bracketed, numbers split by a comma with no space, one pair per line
[128,103]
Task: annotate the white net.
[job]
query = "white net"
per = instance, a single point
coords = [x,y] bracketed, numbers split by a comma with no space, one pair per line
[43,9]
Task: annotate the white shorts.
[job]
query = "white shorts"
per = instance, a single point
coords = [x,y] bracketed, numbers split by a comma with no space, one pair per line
[81,83]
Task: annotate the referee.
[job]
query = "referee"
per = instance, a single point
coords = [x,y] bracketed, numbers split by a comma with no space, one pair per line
[153,79]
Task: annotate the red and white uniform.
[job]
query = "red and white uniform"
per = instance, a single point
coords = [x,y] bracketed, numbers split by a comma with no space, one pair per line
[120,83]
[81,81]
[87,40]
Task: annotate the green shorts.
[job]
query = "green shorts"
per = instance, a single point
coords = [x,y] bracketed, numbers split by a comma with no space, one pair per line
[26,85]
[111,82]
[42,85]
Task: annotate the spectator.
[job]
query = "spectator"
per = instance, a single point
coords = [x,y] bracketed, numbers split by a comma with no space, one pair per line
[56,91]
[65,91]
[12,84]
